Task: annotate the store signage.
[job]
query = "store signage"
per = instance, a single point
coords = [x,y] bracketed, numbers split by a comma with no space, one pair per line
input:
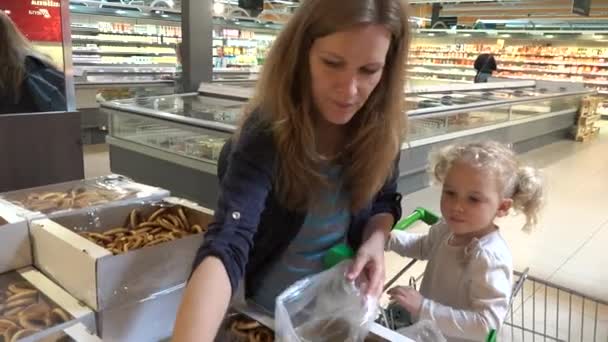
[582,7]
[39,20]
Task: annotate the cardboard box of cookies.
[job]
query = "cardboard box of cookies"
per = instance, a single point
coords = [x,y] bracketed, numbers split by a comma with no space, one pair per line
[79,195]
[120,254]
[150,319]
[33,308]
[247,323]
[16,249]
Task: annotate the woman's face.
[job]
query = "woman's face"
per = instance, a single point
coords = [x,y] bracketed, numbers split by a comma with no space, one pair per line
[345,68]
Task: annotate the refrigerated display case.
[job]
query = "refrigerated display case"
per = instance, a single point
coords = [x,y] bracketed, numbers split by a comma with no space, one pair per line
[174,141]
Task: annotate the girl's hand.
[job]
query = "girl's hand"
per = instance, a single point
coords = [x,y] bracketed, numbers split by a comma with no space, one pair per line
[369,263]
[408,298]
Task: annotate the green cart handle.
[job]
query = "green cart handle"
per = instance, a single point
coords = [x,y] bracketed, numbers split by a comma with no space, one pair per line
[492,336]
[343,252]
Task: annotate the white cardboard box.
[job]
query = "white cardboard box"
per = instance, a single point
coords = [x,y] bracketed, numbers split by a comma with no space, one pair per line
[102,280]
[149,320]
[16,250]
[79,313]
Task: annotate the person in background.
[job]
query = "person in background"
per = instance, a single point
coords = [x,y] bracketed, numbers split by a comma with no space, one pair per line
[485,64]
[28,80]
[467,282]
[314,164]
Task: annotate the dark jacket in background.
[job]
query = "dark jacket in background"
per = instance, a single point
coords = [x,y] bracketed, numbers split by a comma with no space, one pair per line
[42,90]
[252,228]
[485,63]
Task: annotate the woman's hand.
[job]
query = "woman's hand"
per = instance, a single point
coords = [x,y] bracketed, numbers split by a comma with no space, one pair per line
[408,298]
[369,263]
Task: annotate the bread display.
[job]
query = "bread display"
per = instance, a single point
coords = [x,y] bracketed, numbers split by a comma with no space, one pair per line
[164,224]
[24,311]
[74,198]
[243,329]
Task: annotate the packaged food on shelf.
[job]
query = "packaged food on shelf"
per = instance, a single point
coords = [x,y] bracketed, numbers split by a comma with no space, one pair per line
[16,251]
[33,308]
[112,255]
[76,195]
[204,147]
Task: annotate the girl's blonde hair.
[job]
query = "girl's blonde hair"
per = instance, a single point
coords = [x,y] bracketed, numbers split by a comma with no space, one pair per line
[523,184]
[283,98]
[15,48]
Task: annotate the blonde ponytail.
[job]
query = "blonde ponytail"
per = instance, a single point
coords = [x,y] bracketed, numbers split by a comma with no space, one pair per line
[528,195]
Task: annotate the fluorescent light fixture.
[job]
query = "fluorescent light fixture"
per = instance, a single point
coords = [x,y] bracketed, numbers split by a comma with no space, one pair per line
[505,35]
[120,12]
[466,34]
[431,35]
[549,36]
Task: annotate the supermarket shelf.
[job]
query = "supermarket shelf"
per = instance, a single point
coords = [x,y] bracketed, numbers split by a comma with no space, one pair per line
[431,72]
[509,53]
[516,61]
[440,57]
[560,72]
[552,62]
[119,53]
[442,65]
[125,42]
[264,38]
[120,70]
[447,80]
[97,31]
[160,65]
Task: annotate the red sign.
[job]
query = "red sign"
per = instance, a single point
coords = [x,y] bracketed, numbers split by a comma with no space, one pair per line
[39,20]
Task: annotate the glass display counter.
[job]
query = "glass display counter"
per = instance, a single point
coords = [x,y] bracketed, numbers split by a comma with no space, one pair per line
[174,141]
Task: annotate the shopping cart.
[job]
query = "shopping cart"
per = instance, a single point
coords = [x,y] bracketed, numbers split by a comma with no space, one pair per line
[538,310]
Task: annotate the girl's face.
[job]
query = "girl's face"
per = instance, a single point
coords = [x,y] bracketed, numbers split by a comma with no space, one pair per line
[345,68]
[471,199]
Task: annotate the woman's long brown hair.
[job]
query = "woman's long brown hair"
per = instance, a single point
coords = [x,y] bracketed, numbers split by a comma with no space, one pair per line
[283,98]
[14,48]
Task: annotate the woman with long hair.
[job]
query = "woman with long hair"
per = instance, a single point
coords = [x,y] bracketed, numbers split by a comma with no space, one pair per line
[314,163]
[28,80]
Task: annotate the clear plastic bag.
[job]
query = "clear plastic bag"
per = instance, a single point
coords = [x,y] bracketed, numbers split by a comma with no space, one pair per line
[423,331]
[325,307]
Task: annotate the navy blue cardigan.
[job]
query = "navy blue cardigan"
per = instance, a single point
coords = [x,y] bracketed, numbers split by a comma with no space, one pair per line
[251,227]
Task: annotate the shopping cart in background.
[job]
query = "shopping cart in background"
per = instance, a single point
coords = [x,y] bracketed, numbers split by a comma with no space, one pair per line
[538,310]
